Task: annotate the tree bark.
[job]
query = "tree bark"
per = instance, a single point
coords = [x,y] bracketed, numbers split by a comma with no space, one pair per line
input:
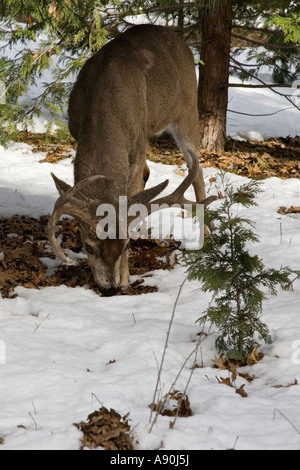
[213,76]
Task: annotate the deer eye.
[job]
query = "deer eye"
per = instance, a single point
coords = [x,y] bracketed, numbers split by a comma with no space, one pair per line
[89,249]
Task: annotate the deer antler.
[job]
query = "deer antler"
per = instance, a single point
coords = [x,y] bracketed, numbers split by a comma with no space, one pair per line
[177,196]
[69,203]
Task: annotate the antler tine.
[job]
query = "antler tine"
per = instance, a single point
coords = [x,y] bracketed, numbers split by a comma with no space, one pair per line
[177,196]
[77,188]
[69,204]
[66,207]
[51,229]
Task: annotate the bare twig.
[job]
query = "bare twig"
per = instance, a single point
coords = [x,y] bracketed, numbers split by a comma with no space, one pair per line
[259,115]
[263,43]
[34,421]
[286,418]
[94,396]
[165,349]
[42,321]
[244,85]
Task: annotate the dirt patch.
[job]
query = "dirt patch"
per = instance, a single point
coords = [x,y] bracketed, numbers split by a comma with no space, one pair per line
[26,257]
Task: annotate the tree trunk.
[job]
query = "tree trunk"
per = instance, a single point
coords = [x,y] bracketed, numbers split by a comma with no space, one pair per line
[213,76]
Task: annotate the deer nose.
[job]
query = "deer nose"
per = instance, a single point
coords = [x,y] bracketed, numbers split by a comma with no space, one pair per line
[110,291]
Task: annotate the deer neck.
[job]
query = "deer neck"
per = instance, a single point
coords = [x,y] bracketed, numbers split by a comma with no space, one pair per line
[104,158]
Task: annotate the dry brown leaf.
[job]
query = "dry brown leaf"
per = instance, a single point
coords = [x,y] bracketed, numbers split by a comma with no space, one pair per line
[106,429]
[225,381]
[233,372]
[290,210]
[286,386]
[253,356]
[174,403]
[220,363]
[247,377]
[229,382]
[241,391]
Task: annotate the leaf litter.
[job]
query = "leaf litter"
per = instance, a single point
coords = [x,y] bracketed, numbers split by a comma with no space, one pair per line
[274,157]
[106,428]
[25,255]
[174,403]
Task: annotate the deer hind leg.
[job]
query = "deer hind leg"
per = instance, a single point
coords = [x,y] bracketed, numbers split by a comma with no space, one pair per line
[187,143]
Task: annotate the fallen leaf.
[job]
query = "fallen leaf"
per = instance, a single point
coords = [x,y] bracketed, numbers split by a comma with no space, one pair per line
[241,391]
[253,356]
[106,429]
[174,403]
[220,363]
[286,386]
[290,210]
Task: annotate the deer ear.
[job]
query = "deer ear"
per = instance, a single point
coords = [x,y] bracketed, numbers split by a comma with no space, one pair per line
[61,186]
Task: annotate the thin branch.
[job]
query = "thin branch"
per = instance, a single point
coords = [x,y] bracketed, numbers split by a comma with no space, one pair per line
[165,349]
[195,351]
[259,115]
[264,83]
[42,321]
[244,85]
[252,28]
[286,418]
[34,421]
[263,43]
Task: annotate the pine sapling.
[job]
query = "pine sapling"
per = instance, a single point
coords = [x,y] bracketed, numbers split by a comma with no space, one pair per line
[236,278]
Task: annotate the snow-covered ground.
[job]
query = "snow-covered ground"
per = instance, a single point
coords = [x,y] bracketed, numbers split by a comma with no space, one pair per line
[57,344]
[63,351]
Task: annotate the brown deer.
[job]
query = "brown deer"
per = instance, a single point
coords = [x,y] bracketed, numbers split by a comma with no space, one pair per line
[137,86]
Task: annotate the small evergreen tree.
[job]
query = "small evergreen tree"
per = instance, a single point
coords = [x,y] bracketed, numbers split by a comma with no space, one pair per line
[225,267]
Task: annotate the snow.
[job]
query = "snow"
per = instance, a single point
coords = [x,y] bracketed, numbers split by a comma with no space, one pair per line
[267,114]
[67,349]
[64,351]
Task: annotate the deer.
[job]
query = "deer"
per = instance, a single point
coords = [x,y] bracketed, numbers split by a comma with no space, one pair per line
[137,86]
